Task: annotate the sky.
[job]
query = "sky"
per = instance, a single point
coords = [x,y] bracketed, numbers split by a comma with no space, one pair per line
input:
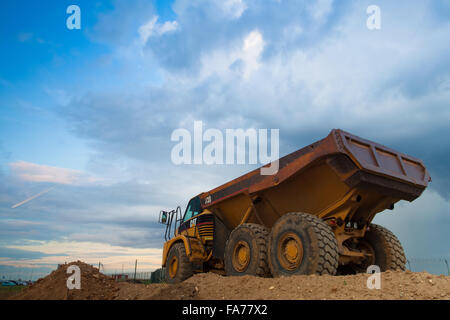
[86,115]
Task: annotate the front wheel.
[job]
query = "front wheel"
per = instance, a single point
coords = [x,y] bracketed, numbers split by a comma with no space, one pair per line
[178,266]
[301,243]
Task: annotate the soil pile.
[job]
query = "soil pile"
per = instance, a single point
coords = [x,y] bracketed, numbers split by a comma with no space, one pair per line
[94,285]
[395,285]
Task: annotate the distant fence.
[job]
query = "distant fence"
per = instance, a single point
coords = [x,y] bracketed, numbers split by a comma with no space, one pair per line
[156,276]
[130,276]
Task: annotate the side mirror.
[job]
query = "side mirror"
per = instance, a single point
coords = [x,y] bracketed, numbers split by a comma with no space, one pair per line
[163,217]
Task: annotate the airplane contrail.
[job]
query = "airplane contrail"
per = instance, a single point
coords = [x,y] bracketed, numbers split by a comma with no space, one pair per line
[31,198]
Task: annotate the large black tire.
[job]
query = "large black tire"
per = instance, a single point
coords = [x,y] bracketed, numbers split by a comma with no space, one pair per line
[301,243]
[251,238]
[388,251]
[183,269]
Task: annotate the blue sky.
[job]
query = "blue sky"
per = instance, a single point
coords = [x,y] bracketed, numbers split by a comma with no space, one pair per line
[89,112]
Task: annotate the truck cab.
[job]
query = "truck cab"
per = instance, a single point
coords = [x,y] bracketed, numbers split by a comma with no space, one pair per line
[193,233]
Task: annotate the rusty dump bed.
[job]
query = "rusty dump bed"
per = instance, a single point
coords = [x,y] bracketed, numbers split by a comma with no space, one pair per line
[321,179]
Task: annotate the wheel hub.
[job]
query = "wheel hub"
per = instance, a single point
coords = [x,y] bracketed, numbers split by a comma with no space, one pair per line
[173,267]
[241,256]
[290,251]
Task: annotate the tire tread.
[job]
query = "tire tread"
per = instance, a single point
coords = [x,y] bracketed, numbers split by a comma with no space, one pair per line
[396,259]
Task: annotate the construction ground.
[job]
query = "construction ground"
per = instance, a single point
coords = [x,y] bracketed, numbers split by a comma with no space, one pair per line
[395,285]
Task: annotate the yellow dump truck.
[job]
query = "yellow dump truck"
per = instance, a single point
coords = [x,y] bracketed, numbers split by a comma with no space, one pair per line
[312,217]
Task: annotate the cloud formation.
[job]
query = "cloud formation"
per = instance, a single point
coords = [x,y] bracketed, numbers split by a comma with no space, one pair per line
[32,172]
[301,67]
[152,28]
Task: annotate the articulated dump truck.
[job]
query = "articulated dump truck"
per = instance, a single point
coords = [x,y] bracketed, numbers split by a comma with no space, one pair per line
[312,217]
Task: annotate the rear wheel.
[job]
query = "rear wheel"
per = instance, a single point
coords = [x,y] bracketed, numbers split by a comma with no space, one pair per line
[301,243]
[246,251]
[385,249]
[178,268]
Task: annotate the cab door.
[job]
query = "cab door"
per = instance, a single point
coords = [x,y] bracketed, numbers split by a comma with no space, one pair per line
[189,222]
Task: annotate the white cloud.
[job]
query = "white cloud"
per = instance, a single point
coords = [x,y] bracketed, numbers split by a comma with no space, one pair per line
[152,28]
[233,8]
[167,27]
[251,52]
[320,9]
[242,58]
[32,172]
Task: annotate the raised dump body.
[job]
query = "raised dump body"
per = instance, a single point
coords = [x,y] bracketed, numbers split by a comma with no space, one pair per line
[312,216]
[322,179]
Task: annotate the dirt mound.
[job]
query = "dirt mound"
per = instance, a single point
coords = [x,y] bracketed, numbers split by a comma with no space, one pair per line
[394,286]
[94,286]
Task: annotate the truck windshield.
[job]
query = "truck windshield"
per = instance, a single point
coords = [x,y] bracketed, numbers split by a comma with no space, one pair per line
[193,208]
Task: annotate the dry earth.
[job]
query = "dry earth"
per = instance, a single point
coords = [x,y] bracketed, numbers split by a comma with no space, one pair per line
[96,286]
